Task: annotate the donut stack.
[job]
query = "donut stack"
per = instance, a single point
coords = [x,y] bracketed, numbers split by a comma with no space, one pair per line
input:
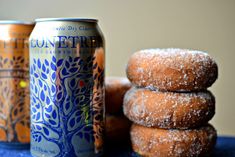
[117,125]
[169,102]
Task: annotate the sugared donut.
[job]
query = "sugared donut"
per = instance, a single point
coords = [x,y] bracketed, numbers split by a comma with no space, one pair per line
[168,109]
[153,142]
[115,89]
[172,69]
[117,129]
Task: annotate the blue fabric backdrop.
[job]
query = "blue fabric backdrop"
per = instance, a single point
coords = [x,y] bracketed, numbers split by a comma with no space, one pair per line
[225,147]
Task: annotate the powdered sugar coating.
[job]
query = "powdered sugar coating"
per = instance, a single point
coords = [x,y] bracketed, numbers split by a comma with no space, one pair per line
[177,143]
[113,80]
[168,109]
[172,69]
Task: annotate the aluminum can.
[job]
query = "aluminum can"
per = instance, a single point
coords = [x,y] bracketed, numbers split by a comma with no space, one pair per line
[67,88]
[14,83]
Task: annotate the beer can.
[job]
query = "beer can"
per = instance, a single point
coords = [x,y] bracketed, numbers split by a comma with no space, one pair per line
[67,88]
[14,83]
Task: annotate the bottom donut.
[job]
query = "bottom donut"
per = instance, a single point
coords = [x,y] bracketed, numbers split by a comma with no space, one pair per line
[117,129]
[153,142]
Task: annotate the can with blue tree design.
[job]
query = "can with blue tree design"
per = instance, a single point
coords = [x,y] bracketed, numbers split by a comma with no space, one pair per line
[67,88]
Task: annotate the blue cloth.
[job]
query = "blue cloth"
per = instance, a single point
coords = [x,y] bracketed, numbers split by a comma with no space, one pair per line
[225,147]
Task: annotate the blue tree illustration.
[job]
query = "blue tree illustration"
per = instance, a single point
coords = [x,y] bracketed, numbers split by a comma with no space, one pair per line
[61,100]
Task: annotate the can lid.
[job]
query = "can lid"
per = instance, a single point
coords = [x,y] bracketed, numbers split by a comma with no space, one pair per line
[74,19]
[19,22]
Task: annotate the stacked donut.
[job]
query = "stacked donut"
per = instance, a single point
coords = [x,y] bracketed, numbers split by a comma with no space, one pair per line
[117,125]
[169,102]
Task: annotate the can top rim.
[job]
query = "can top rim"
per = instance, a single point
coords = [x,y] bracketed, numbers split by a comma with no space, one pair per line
[72,19]
[19,22]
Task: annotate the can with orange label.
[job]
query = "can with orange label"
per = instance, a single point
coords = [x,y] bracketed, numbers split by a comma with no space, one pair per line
[14,83]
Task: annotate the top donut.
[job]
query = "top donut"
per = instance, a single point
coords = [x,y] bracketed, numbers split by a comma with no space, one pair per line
[172,69]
